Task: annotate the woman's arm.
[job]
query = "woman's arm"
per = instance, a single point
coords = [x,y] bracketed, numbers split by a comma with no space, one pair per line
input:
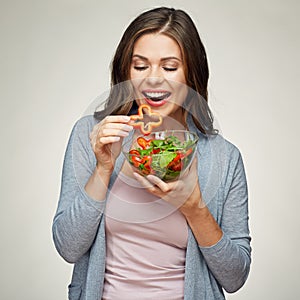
[225,246]
[78,215]
[229,258]
[89,162]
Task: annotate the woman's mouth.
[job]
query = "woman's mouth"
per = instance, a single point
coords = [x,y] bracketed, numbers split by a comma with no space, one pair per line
[156,98]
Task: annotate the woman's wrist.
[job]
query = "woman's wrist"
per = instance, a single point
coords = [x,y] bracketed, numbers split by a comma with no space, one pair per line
[194,201]
[104,171]
[97,185]
[205,228]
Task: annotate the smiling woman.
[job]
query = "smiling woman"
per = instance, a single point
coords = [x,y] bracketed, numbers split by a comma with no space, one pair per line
[139,237]
[161,44]
[156,69]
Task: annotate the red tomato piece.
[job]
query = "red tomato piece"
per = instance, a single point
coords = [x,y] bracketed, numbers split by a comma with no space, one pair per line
[155,151]
[175,165]
[146,159]
[134,152]
[136,160]
[177,157]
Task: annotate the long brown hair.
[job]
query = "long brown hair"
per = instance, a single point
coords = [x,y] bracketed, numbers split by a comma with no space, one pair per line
[178,25]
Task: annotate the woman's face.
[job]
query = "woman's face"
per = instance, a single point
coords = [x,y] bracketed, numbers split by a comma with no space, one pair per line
[157,74]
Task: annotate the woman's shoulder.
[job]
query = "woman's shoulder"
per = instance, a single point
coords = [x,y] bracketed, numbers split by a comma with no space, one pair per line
[231,148]
[86,121]
[217,144]
[219,154]
[84,125]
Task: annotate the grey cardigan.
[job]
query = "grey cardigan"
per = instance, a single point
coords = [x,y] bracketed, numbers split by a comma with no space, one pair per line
[79,229]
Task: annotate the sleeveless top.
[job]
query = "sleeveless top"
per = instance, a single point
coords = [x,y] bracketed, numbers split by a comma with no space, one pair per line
[146,244]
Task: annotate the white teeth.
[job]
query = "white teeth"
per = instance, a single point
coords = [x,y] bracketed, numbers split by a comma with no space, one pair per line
[155,95]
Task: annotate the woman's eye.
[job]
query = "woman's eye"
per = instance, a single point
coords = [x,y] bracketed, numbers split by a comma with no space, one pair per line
[169,69]
[140,68]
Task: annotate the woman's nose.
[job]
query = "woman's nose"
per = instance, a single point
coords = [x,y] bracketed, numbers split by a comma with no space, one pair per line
[155,76]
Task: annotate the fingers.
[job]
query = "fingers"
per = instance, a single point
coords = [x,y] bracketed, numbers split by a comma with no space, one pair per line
[114,126]
[143,181]
[110,130]
[155,181]
[149,186]
[155,185]
[116,119]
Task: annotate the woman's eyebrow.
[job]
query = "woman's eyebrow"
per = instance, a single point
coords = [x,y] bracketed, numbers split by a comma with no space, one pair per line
[140,57]
[162,59]
[170,57]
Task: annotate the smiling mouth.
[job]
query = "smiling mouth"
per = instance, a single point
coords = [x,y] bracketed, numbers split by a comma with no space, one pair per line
[156,96]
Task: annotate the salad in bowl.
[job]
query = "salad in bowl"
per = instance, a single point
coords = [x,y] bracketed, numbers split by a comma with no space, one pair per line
[165,154]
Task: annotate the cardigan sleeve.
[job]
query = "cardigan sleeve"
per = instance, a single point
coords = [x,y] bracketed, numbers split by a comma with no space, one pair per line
[78,216]
[230,258]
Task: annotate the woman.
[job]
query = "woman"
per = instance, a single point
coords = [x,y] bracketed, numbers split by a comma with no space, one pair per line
[200,247]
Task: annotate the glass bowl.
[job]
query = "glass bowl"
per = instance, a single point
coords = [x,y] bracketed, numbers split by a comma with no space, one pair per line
[165,154]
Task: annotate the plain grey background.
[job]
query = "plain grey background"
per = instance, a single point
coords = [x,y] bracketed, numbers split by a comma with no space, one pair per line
[55,58]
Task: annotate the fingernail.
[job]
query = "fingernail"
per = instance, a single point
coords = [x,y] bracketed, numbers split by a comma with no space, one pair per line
[124,134]
[129,127]
[126,118]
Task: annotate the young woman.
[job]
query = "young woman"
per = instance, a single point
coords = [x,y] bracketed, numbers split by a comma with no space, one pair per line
[121,247]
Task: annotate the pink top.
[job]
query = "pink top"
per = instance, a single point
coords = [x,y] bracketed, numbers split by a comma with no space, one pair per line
[146,244]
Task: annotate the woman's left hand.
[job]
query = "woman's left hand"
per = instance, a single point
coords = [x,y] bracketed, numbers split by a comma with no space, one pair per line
[183,193]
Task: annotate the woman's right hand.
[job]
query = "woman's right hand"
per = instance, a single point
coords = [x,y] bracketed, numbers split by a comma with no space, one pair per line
[106,140]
